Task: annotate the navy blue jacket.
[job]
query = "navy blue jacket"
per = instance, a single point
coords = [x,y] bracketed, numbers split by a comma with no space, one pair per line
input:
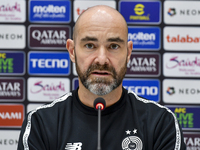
[132,123]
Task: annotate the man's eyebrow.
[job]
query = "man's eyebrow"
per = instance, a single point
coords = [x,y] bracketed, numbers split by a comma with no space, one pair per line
[115,40]
[87,38]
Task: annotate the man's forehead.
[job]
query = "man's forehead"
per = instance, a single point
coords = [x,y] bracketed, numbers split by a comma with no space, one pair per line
[96,28]
[101,35]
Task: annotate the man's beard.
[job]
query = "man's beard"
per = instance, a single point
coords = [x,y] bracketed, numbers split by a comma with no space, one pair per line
[101,85]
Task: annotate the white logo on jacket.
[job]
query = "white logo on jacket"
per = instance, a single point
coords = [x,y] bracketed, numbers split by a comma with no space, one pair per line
[132,142]
[73,146]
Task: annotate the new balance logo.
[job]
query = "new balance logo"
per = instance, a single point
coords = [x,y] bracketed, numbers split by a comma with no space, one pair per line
[74,146]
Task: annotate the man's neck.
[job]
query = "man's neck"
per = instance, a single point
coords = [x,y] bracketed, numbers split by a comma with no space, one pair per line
[87,97]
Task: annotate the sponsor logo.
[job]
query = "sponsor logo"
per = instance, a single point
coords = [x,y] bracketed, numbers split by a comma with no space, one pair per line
[141,12]
[12,63]
[149,89]
[188,117]
[172,11]
[48,37]
[75,83]
[143,64]
[145,38]
[181,12]
[9,139]
[47,89]
[11,89]
[12,36]
[192,140]
[181,65]
[181,38]
[181,91]
[170,90]
[50,11]
[12,11]
[81,6]
[49,63]
[11,115]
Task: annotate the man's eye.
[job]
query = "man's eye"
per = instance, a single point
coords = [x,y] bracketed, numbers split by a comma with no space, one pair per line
[89,46]
[114,46]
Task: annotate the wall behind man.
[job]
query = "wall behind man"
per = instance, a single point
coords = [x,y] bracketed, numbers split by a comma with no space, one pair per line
[35,67]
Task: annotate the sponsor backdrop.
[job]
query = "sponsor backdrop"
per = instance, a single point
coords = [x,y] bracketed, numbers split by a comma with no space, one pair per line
[35,67]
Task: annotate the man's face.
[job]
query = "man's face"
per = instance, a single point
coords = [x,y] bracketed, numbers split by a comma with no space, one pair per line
[101,85]
[101,54]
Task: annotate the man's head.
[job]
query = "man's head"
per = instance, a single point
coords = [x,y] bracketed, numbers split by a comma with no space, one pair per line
[100,49]
[75,31]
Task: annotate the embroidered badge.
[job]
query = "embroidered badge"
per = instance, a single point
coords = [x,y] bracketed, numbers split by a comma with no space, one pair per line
[132,142]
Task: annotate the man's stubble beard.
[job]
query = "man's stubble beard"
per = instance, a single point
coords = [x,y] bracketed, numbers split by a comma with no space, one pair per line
[101,85]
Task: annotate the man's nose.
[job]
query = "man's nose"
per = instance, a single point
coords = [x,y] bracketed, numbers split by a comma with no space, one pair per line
[102,56]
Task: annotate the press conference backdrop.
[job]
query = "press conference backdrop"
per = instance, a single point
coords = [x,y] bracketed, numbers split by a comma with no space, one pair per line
[35,67]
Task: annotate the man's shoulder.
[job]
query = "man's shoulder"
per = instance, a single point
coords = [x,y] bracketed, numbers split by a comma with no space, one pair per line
[147,105]
[151,110]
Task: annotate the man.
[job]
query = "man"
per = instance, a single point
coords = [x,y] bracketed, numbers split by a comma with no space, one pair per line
[101,52]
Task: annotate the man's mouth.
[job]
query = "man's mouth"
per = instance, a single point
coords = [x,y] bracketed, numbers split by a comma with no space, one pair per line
[101,73]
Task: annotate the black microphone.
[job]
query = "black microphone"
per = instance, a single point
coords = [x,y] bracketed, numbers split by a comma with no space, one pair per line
[99,105]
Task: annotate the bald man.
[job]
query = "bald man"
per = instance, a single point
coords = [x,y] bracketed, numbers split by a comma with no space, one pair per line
[101,52]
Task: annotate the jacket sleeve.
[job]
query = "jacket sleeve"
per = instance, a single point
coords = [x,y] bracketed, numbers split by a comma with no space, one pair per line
[168,133]
[33,135]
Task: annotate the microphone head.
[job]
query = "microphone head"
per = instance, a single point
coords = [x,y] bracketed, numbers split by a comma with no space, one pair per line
[99,102]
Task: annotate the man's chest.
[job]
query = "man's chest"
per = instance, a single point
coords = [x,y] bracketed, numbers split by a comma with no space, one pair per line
[115,135]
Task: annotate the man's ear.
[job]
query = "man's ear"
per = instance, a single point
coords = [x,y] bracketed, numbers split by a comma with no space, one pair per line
[130,48]
[70,48]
